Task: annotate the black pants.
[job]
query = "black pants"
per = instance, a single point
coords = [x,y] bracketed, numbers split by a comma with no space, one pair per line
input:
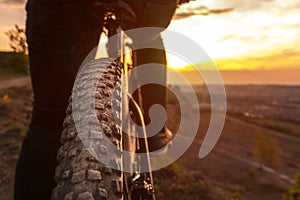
[60,34]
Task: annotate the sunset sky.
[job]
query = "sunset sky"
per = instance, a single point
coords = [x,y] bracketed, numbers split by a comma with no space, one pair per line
[257,35]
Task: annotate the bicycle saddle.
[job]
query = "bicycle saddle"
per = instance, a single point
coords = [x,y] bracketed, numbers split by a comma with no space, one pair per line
[121,9]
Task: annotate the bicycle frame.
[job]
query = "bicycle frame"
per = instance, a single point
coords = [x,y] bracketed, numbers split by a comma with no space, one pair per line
[137,185]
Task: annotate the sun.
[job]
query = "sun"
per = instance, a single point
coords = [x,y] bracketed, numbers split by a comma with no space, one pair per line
[176,62]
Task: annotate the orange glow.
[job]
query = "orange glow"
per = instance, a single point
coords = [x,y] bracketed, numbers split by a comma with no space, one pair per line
[277,60]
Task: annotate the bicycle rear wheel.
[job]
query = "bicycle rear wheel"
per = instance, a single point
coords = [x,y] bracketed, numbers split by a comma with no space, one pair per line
[79,175]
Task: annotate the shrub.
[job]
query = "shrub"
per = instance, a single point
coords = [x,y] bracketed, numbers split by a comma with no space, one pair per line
[294,193]
[14,62]
[267,150]
[234,196]
[17,39]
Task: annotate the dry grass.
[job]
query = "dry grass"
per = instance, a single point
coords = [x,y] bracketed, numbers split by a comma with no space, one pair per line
[15,110]
[173,182]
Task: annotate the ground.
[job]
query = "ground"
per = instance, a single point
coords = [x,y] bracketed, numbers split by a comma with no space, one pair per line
[231,171]
[15,110]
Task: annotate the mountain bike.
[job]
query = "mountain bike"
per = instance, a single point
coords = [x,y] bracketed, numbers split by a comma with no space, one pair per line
[79,174]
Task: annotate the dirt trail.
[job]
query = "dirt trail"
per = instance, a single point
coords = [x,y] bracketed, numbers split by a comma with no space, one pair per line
[238,157]
[233,165]
[277,134]
[20,81]
[252,163]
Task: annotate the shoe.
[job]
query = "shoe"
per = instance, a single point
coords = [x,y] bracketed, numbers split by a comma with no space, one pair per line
[160,140]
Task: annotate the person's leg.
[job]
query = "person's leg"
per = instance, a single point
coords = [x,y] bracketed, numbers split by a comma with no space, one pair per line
[153,93]
[156,13]
[59,39]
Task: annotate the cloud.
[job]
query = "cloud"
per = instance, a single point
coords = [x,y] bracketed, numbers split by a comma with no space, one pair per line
[267,6]
[244,6]
[199,10]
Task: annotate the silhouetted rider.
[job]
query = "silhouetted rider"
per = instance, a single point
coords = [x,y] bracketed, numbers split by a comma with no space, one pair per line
[60,34]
